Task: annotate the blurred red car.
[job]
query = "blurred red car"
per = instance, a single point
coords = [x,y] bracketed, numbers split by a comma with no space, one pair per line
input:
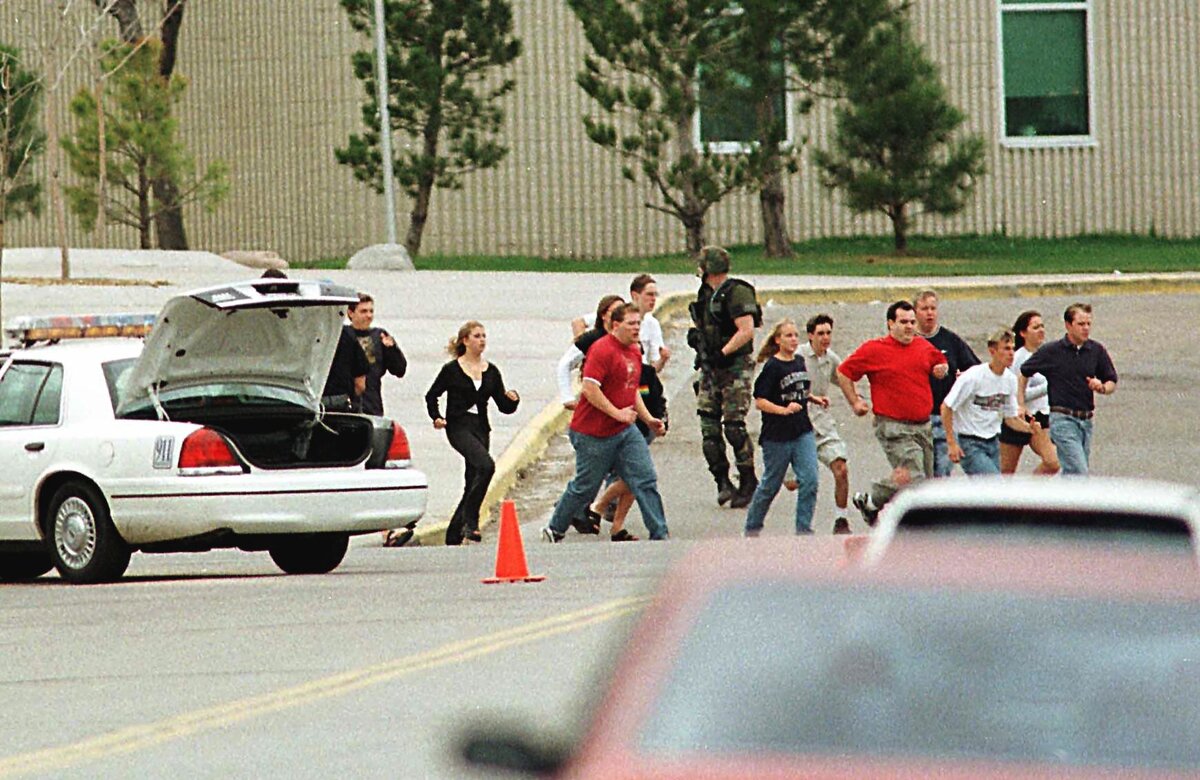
[948,659]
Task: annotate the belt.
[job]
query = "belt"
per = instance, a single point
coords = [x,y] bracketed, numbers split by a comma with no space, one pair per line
[1076,413]
[978,438]
[924,421]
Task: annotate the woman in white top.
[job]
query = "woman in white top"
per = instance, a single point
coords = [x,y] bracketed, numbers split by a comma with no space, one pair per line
[573,357]
[1030,333]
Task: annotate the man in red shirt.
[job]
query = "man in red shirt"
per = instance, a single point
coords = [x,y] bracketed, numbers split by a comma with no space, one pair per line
[898,367]
[603,434]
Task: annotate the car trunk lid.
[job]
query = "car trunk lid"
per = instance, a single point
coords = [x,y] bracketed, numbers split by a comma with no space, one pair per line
[280,332]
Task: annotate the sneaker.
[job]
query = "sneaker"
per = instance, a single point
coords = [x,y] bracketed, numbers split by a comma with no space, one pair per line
[752,533]
[841,525]
[862,502]
[551,536]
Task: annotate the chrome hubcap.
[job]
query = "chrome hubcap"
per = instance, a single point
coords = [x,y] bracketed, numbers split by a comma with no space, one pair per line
[75,533]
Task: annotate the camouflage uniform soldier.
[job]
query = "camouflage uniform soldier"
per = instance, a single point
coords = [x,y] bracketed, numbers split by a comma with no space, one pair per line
[724,316]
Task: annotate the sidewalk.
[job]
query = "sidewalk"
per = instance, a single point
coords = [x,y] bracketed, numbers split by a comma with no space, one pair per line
[527,316]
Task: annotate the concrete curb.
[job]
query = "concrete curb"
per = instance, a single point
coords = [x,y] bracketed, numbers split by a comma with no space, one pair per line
[531,441]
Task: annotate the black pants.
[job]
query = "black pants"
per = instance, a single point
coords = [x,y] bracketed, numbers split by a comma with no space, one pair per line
[467,436]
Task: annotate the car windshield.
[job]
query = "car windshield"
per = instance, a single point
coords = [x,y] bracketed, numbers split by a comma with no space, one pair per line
[796,669]
[1100,526]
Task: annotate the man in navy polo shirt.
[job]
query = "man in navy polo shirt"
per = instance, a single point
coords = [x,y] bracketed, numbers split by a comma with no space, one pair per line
[1075,367]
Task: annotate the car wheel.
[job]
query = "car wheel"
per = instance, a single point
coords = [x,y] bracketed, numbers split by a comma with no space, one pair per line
[310,553]
[21,566]
[83,543]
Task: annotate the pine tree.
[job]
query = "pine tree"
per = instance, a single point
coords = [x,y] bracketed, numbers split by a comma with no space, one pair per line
[780,47]
[141,145]
[21,141]
[642,76]
[895,142]
[443,95]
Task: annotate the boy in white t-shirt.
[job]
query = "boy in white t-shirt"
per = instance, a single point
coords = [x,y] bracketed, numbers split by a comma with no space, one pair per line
[643,293]
[983,397]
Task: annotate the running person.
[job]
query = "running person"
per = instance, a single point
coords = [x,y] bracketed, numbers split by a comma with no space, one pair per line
[468,381]
[1076,368]
[1029,333]
[982,398]
[823,364]
[781,393]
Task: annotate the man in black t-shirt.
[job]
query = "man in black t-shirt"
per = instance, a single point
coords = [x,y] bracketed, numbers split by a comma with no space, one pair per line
[959,356]
[382,352]
[347,375]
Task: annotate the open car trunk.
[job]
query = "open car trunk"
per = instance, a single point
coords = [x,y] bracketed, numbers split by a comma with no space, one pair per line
[290,437]
[278,441]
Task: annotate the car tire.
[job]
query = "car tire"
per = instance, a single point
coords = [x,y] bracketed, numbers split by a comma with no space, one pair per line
[81,539]
[24,566]
[309,553]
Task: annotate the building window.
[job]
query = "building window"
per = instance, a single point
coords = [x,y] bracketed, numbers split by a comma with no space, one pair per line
[728,116]
[1045,73]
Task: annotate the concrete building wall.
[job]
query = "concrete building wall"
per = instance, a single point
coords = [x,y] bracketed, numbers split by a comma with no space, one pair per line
[272,94]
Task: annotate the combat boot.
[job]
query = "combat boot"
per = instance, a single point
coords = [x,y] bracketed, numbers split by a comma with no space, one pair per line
[747,482]
[725,489]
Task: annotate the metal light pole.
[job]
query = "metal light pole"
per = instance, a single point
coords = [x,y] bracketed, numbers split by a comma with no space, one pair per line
[385,123]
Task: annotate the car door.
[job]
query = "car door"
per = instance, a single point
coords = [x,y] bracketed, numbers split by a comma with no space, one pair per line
[30,411]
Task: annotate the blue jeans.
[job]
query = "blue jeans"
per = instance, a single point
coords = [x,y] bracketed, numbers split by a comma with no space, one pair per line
[942,465]
[801,455]
[1072,438]
[628,455]
[980,456]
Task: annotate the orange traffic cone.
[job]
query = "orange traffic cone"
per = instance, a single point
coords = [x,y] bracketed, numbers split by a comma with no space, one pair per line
[510,552]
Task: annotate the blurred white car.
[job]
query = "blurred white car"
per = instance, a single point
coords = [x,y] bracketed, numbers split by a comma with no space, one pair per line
[1100,509]
[210,435]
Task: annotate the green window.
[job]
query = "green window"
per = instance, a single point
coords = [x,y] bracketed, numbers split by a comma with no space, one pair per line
[729,116]
[1046,68]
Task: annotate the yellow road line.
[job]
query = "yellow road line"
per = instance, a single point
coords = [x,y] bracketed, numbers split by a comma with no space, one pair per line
[148,735]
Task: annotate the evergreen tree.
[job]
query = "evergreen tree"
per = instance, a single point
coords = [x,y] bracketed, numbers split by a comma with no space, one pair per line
[141,145]
[21,139]
[21,142]
[442,95]
[777,47]
[895,142]
[643,77]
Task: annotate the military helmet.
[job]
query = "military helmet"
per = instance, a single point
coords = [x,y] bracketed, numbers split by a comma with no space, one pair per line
[713,260]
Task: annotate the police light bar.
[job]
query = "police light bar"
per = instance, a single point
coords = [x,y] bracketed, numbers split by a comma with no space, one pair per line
[29,330]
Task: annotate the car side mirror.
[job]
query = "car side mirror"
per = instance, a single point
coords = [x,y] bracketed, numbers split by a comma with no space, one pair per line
[512,751]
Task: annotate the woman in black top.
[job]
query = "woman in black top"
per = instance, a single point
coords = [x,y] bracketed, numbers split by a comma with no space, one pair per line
[468,381]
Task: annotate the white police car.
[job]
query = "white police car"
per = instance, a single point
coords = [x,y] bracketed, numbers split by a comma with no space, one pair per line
[211,434]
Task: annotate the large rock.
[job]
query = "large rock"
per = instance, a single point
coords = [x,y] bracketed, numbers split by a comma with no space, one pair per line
[256,258]
[381,257]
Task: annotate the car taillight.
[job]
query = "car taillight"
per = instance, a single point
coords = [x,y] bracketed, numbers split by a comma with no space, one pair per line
[398,454]
[207,452]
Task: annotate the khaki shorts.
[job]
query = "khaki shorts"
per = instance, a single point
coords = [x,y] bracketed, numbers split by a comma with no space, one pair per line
[830,448]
